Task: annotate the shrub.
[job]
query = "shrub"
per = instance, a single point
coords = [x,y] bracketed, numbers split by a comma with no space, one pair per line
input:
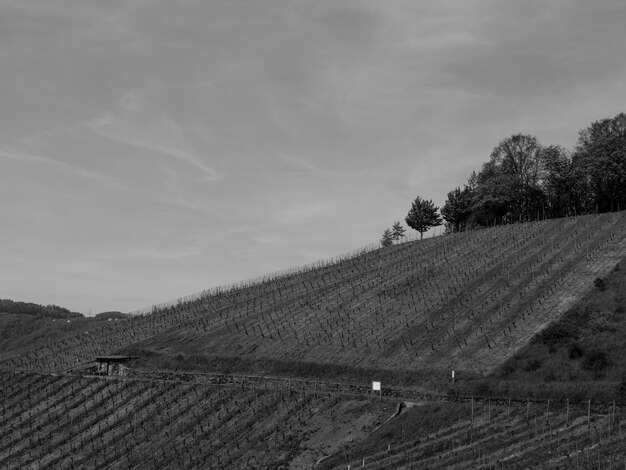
[596,362]
[556,333]
[532,365]
[600,283]
[575,351]
[550,376]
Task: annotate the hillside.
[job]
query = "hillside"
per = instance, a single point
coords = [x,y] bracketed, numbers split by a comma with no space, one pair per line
[578,356]
[466,302]
[23,324]
[29,308]
[459,302]
[530,317]
[22,331]
[73,422]
[587,343]
[488,434]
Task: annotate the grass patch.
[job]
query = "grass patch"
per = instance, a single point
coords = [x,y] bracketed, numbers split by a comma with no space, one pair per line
[412,425]
[588,343]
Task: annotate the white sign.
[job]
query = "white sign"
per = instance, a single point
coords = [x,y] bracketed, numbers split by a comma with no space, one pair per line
[376,386]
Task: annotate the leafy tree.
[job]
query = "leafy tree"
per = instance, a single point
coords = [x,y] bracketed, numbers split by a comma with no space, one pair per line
[508,188]
[523,180]
[519,156]
[422,216]
[600,163]
[493,197]
[458,207]
[564,195]
[387,239]
[397,231]
[517,164]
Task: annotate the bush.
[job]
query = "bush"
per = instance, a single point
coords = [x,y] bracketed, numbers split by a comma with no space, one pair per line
[596,362]
[557,333]
[600,283]
[532,365]
[575,351]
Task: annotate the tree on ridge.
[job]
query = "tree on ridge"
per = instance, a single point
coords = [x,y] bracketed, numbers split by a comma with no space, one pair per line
[457,208]
[397,231]
[387,239]
[423,215]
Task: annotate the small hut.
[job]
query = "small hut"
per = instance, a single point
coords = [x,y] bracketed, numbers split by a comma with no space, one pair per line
[113,365]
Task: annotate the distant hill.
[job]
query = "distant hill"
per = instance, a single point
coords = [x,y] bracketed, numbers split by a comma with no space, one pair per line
[26,324]
[113,315]
[28,308]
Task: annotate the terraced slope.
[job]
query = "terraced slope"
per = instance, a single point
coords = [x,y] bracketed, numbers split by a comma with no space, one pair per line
[489,435]
[65,421]
[466,302]
[86,422]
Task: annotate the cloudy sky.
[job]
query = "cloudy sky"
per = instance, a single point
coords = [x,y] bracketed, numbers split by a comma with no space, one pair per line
[151,149]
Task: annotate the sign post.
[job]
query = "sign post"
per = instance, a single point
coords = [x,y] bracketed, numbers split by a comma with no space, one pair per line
[376,387]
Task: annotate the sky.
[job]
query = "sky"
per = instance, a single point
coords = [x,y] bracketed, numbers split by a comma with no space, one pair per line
[150,149]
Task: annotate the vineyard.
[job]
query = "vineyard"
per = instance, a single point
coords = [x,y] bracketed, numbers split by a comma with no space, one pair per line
[465,301]
[199,395]
[77,422]
[62,421]
[495,435]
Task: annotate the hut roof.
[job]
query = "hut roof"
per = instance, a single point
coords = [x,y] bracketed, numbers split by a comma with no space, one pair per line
[115,358]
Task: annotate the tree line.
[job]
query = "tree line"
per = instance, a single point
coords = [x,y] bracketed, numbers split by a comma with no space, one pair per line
[29,308]
[524,180]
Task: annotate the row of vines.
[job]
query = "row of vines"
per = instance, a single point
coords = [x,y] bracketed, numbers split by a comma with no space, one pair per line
[70,421]
[49,421]
[496,436]
[461,301]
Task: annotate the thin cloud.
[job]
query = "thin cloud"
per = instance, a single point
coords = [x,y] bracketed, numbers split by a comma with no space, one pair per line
[133,125]
[30,158]
[302,212]
[143,253]
[297,161]
[110,181]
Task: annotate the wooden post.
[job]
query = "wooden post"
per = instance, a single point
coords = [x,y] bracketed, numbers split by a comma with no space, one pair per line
[567,414]
[613,419]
